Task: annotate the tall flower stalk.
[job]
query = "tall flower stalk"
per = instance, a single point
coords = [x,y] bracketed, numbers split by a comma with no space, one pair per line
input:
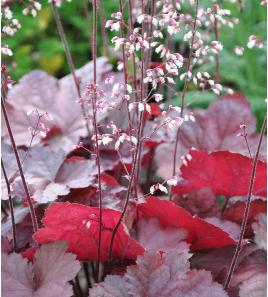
[133,176]
[70,61]
[95,128]
[125,68]
[216,32]
[185,86]
[24,183]
[247,209]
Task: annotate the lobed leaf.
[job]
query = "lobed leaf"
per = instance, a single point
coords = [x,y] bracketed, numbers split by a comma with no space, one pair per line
[48,276]
[160,274]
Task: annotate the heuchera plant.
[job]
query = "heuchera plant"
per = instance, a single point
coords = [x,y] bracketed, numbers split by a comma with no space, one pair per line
[109,188]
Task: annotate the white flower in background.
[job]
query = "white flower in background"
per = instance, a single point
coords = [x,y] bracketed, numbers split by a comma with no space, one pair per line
[5,50]
[172,182]
[251,41]
[140,107]
[239,51]
[158,97]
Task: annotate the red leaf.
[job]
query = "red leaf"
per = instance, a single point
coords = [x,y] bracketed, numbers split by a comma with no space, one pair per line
[223,172]
[201,202]
[82,196]
[109,180]
[260,230]
[79,225]
[201,235]
[158,65]
[29,253]
[155,111]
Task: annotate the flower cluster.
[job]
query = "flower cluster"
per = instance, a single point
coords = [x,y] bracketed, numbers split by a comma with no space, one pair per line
[32,8]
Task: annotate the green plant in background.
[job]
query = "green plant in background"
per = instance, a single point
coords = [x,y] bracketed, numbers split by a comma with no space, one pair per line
[38,46]
[245,73]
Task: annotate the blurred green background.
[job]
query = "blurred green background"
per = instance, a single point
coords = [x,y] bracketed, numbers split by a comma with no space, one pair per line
[37,45]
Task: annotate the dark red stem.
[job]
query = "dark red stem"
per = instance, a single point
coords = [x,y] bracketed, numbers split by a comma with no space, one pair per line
[32,212]
[246,212]
[69,59]
[185,88]
[94,54]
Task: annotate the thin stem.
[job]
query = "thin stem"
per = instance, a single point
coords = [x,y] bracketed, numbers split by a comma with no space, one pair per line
[246,212]
[150,32]
[123,164]
[147,59]
[185,88]
[248,148]
[216,32]
[28,148]
[32,211]
[128,190]
[86,9]
[103,30]
[224,206]
[141,100]
[125,67]
[134,80]
[69,59]
[135,161]
[94,53]
[10,206]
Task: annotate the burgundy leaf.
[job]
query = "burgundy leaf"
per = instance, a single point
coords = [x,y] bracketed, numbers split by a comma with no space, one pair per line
[49,176]
[218,126]
[251,279]
[152,236]
[199,202]
[218,261]
[113,286]
[163,275]
[48,276]
[24,227]
[38,90]
[260,230]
